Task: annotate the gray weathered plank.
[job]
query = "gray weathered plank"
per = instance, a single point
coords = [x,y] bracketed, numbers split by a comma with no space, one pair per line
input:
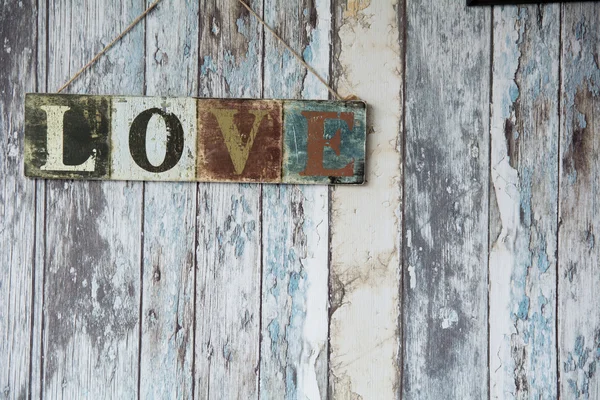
[168,270]
[17,198]
[92,231]
[523,223]
[579,211]
[366,224]
[38,290]
[295,220]
[228,220]
[446,201]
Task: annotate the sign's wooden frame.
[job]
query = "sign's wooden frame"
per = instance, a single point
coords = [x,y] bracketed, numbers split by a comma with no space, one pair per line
[191,139]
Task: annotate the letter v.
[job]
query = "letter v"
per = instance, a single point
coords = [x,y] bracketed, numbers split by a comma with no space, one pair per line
[238,151]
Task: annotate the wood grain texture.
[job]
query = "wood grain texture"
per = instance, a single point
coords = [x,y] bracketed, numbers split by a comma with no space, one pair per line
[92,231]
[17,199]
[523,223]
[40,222]
[228,221]
[366,221]
[170,209]
[446,210]
[578,274]
[239,140]
[294,351]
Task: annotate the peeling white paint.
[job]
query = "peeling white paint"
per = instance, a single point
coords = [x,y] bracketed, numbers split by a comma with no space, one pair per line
[365,231]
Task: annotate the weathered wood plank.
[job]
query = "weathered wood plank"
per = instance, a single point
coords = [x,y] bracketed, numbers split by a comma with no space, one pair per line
[295,236]
[169,269]
[92,232]
[36,378]
[523,223]
[17,199]
[579,211]
[228,221]
[446,201]
[365,224]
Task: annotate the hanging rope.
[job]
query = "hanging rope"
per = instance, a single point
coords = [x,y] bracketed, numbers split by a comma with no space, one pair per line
[153,6]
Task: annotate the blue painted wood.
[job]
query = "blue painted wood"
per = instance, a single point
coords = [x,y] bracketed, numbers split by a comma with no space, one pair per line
[92,253]
[579,211]
[523,224]
[295,269]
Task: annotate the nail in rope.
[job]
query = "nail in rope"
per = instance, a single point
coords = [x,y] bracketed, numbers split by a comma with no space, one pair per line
[111,44]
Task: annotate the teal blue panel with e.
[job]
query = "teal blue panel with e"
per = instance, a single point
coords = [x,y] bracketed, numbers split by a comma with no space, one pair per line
[324,142]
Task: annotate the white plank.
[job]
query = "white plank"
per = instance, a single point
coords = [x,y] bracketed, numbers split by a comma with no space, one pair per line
[523,224]
[579,211]
[92,253]
[295,220]
[229,221]
[446,201]
[169,270]
[366,221]
[17,199]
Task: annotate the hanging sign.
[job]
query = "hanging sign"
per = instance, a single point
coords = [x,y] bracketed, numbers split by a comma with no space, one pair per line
[190,139]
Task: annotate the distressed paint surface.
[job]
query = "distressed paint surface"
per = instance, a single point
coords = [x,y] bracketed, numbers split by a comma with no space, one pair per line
[239,140]
[18,197]
[104,252]
[189,139]
[579,278]
[365,224]
[294,351]
[156,138]
[169,211]
[91,256]
[82,129]
[324,142]
[446,193]
[228,222]
[523,223]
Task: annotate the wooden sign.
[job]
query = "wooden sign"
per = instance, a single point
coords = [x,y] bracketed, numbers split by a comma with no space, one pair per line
[189,139]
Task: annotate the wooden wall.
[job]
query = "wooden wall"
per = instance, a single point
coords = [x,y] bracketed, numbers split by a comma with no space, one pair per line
[465,268]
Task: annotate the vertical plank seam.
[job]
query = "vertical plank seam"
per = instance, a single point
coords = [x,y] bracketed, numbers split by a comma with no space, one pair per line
[141,270]
[196,226]
[43,323]
[260,218]
[403,292]
[489,188]
[33,267]
[35,219]
[328,387]
[558,204]
[43,267]
[142,223]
